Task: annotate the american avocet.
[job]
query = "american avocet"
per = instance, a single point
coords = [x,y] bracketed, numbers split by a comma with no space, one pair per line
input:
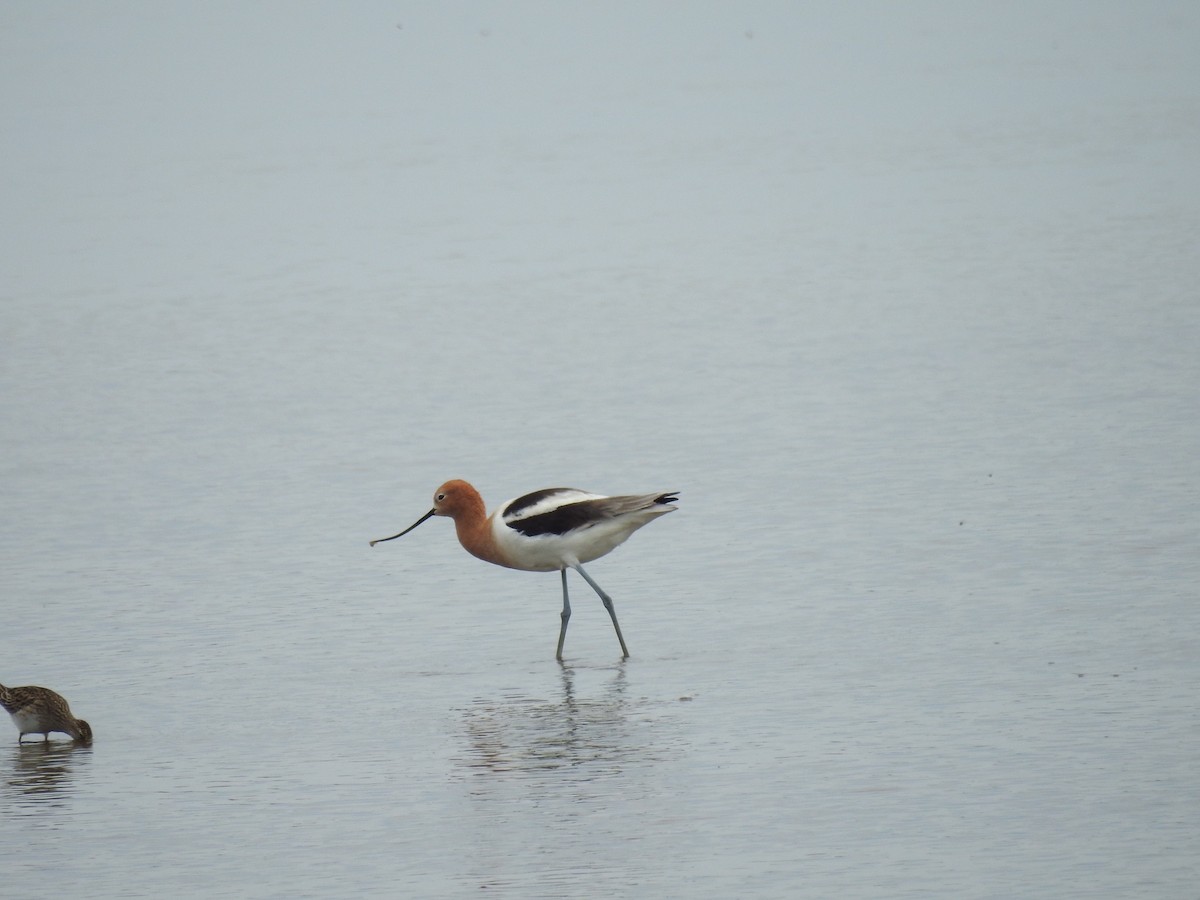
[38,710]
[548,530]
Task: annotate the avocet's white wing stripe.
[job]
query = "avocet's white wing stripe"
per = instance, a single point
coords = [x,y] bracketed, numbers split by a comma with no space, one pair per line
[545,501]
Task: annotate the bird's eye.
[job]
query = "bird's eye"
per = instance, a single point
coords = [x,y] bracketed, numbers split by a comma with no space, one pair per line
[440,497]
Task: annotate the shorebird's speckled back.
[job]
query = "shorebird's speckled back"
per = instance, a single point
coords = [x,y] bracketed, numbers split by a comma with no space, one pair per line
[39,710]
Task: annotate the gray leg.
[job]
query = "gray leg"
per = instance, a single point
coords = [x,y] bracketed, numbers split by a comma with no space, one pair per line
[566,617]
[608,604]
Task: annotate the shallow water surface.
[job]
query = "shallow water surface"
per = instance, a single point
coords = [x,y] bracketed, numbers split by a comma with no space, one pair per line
[903,306]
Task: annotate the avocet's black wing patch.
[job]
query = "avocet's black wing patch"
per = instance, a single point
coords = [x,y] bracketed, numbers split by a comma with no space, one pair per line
[564,510]
[562,519]
[543,501]
[514,509]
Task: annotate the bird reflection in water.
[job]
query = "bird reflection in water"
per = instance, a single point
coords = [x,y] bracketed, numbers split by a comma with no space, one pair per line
[41,773]
[522,735]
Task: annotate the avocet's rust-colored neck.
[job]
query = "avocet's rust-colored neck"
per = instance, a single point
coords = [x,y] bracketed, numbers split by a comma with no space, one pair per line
[459,500]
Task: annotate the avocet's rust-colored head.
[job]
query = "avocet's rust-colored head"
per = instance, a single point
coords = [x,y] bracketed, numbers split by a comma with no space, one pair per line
[455,498]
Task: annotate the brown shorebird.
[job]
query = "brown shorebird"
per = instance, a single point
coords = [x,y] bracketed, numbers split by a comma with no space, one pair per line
[38,710]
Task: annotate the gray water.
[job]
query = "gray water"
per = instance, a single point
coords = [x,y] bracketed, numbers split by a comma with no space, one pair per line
[901,298]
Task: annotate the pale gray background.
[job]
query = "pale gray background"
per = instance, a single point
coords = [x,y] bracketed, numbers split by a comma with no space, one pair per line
[902,298]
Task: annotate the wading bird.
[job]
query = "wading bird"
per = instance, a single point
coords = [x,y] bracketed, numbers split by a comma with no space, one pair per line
[38,710]
[554,529]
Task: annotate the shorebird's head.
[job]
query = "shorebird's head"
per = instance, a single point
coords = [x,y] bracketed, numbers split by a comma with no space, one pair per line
[83,732]
[454,498]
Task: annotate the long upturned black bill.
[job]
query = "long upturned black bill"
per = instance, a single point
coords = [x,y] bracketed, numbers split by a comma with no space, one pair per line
[406,530]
